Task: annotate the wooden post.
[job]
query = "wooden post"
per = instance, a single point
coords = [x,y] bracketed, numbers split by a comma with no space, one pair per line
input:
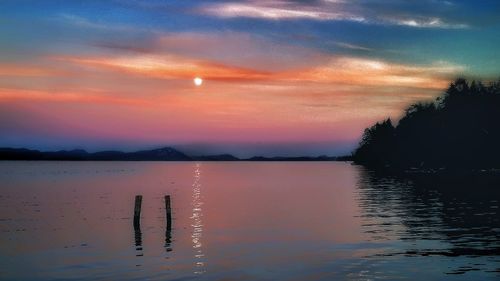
[168,211]
[137,211]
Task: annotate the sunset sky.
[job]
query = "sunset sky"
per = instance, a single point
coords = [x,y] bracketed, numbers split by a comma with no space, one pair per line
[279,77]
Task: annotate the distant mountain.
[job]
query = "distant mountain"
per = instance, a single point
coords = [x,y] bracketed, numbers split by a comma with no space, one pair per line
[20,154]
[220,157]
[161,154]
[301,158]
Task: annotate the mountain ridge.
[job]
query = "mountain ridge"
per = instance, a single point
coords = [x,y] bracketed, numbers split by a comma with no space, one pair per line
[159,154]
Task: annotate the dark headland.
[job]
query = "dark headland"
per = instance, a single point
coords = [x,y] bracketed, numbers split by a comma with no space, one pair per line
[460,130]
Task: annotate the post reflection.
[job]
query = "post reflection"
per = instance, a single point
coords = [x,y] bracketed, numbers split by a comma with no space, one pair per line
[168,228]
[138,240]
[168,240]
[197,222]
[137,225]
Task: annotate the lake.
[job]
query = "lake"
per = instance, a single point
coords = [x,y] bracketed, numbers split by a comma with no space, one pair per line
[242,221]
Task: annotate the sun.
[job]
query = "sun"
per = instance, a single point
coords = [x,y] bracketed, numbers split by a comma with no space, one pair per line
[198,81]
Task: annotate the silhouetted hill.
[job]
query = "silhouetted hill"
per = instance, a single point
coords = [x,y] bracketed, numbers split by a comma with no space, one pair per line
[460,130]
[301,158]
[344,158]
[161,154]
[221,157]
[66,154]
[20,154]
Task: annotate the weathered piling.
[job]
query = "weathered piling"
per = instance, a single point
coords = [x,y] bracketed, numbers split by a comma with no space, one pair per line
[168,210]
[137,211]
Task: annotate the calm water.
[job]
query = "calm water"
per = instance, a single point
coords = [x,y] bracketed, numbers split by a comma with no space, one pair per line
[241,221]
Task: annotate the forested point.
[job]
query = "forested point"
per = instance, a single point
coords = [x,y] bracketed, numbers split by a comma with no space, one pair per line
[460,129]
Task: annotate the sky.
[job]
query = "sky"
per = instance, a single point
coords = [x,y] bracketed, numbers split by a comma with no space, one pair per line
[279,77]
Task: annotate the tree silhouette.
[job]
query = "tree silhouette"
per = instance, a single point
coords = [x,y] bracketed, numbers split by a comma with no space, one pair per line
[377,144]
[461,129]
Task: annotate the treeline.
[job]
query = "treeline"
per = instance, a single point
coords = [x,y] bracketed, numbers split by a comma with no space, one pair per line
[460,129]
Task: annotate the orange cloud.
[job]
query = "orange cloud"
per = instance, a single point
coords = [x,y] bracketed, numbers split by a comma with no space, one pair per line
[334,69]
[371,72]
[170,67]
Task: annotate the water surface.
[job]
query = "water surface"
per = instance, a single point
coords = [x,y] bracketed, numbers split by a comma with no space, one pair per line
[241,221]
